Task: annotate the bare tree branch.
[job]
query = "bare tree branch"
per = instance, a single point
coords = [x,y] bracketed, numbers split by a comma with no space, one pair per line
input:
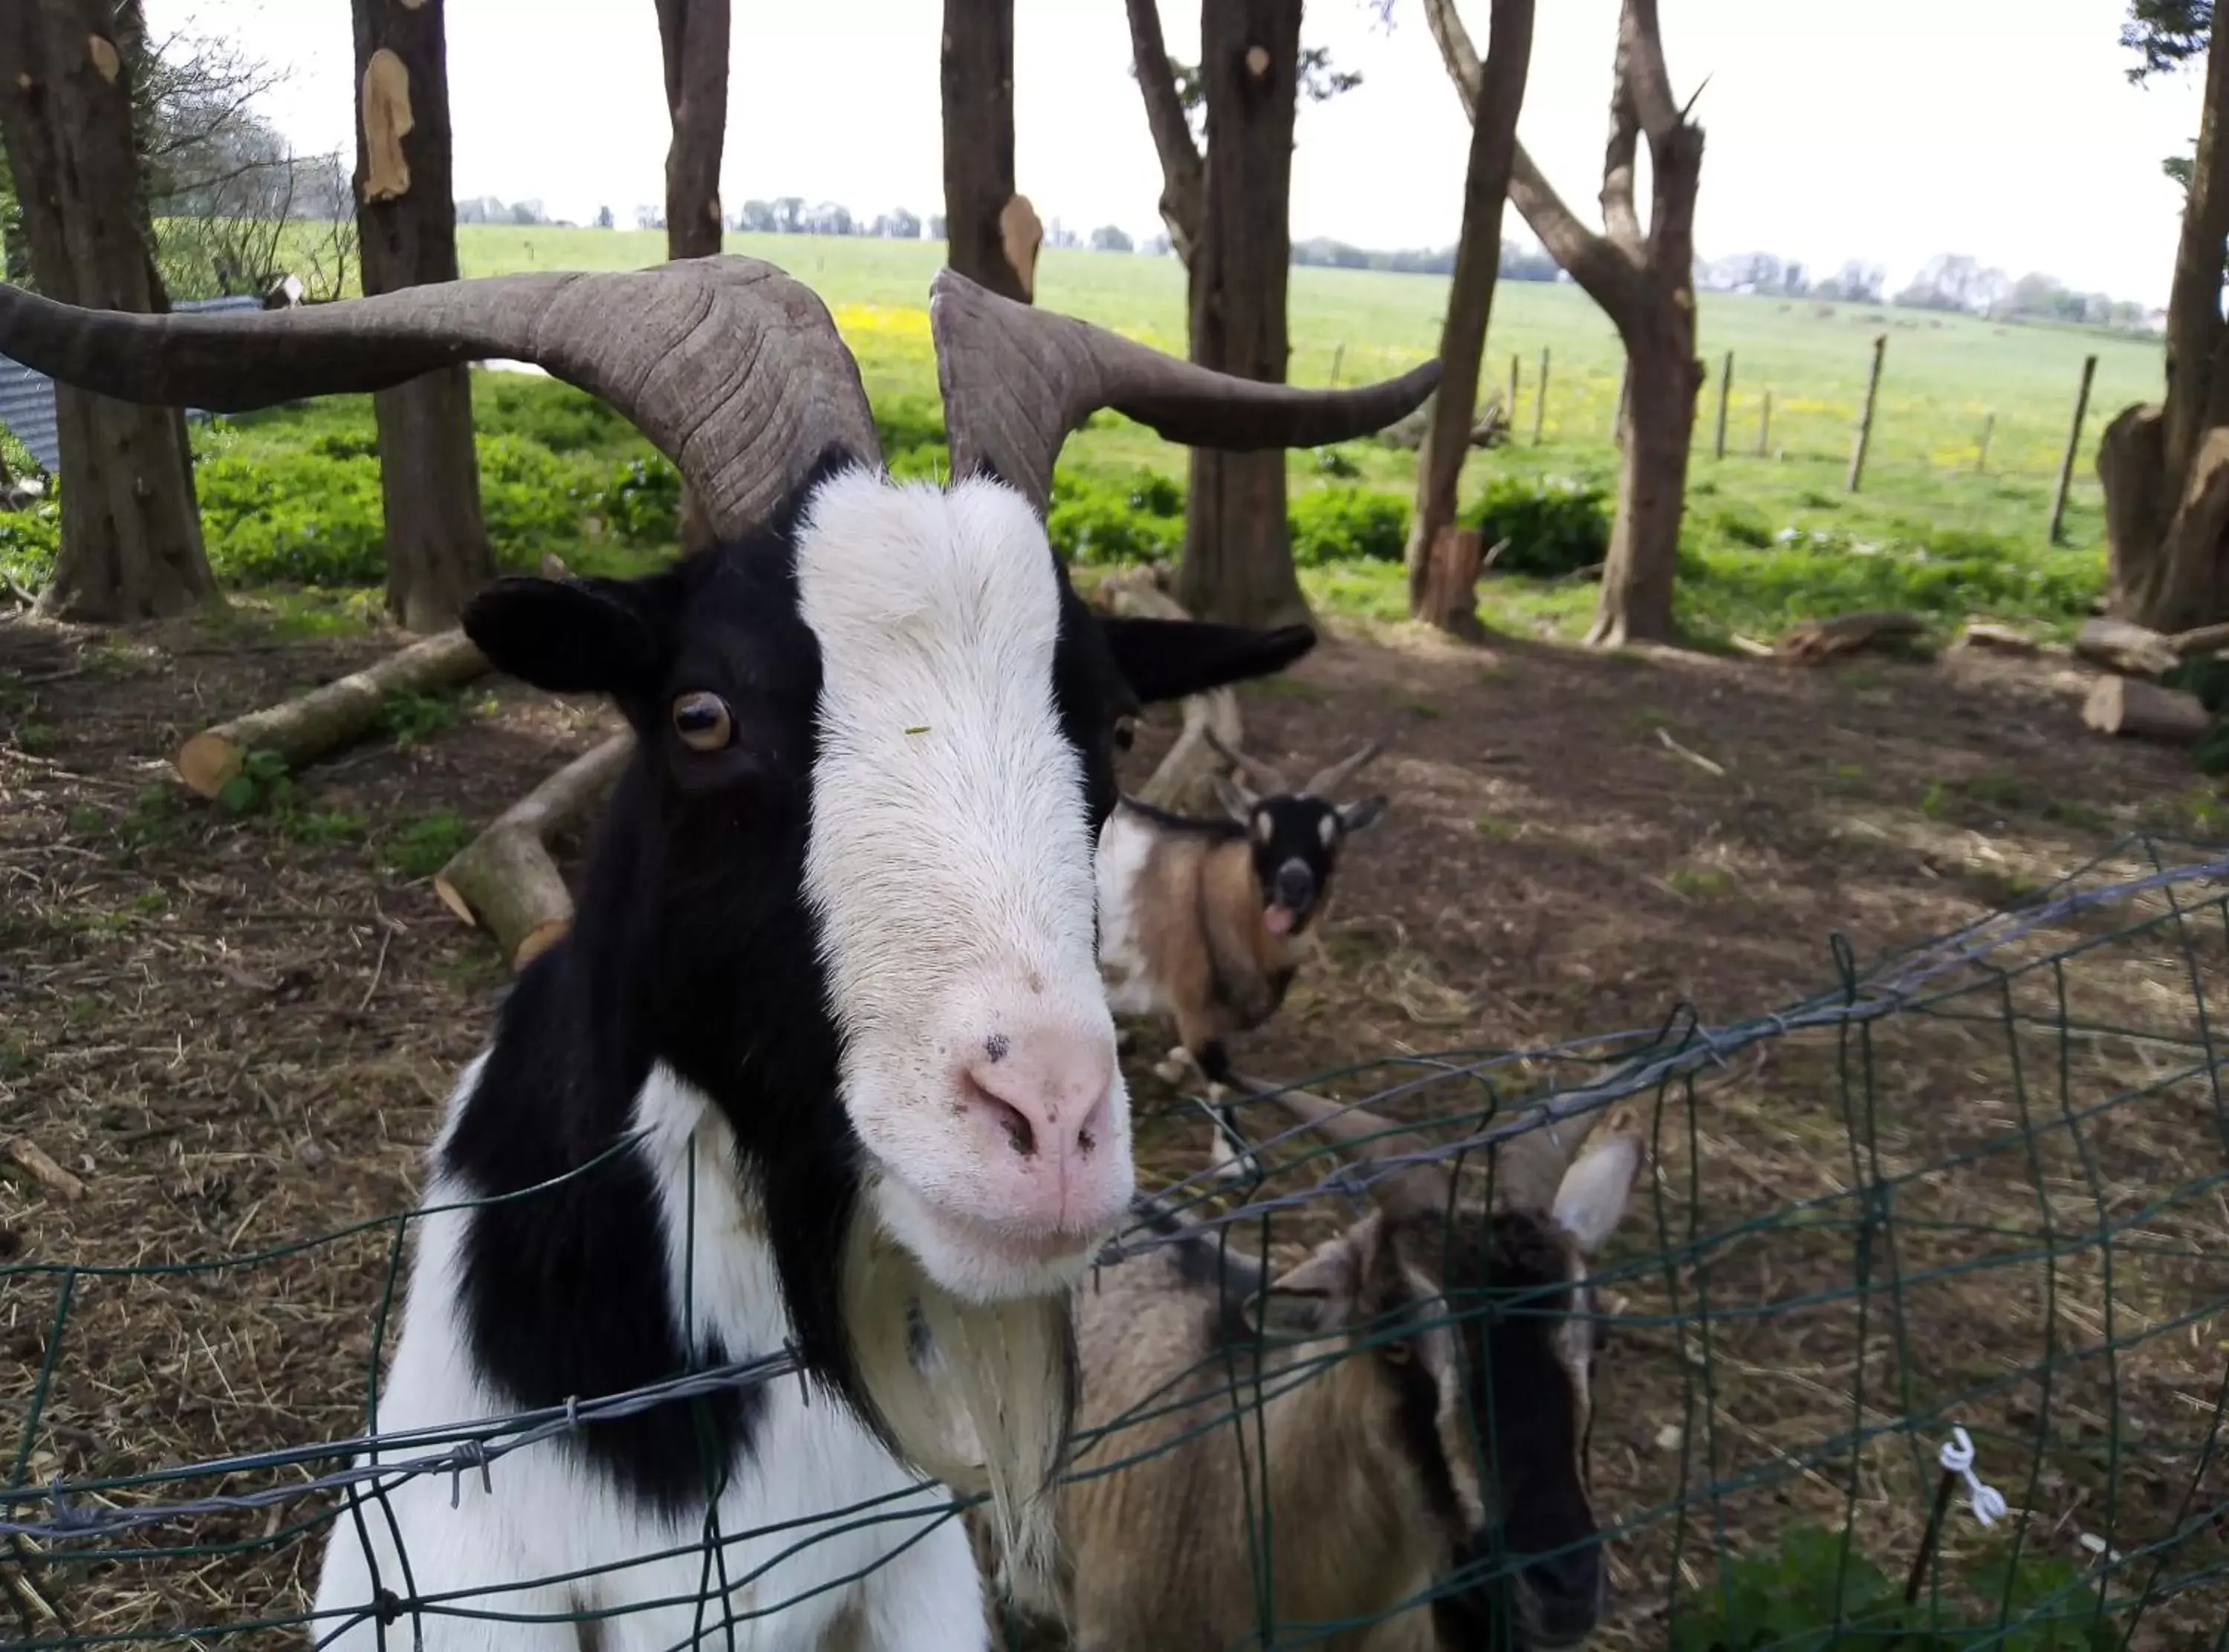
[1593,260]
[1619,217]
[1641,68]
[1184,176]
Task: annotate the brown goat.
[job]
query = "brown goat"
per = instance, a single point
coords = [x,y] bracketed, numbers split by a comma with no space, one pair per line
[1449,1334]
[1199,920]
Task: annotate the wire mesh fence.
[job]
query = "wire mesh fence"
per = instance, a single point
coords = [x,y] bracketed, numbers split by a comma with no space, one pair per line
[1978,1189]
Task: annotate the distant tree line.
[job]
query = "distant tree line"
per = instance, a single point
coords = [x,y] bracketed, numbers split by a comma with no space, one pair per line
[1519,262]
[1952,283]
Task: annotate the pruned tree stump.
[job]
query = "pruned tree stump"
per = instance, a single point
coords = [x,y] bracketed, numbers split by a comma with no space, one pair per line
[505,882]
[1449,600]
[300,729]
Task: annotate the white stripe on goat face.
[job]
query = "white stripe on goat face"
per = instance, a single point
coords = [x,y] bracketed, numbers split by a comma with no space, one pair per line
[950,869]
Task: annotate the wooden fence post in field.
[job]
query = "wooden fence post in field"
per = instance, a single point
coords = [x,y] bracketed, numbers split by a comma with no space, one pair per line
[1865,420]
[1516,376]
[1988,429]
[1764,425]
[2073,449]
[1540,399]
[1337,358]
[1726,390]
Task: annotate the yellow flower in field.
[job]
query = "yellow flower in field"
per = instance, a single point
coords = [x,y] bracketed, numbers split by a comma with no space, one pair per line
[882,329]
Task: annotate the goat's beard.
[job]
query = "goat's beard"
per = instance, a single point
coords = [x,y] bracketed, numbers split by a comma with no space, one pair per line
[987,1408]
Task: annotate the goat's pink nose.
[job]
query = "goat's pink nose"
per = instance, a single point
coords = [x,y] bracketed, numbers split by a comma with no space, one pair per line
[1043,1103]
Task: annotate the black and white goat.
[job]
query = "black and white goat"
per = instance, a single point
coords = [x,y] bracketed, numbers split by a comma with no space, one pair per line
[1199,920]
[824,1064]
[1425,1384]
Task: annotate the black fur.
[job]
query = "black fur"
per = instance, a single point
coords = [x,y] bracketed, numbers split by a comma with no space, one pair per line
[692,946]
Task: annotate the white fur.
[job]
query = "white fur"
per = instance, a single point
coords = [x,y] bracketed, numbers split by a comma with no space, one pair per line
[549,1511]
[949,860]
[1125,842]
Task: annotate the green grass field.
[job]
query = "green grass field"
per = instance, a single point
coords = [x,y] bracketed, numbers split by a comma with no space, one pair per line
[1768,540]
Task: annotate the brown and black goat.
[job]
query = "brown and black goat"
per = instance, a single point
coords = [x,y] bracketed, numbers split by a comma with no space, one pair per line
[1200,921]
[1423,1379]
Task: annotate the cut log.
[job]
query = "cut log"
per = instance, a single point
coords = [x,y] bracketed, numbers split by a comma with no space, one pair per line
[2141,710]
[2001,639]
[1449,600]
[34,1158]
[325,718]
[505,880]
[2133,651]
[1818,640]
[1185,782]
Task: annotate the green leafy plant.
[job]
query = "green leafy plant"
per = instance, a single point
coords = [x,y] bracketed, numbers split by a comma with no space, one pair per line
[408,718]
[263,787]
[1818,1593]
[643,503]
[424,846]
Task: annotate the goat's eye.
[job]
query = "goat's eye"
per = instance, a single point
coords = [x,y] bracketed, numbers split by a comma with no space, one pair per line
[1125,730]
[703,722]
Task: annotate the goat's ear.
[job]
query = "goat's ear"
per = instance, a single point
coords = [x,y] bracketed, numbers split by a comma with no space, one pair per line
[1168,659]
[1590,1200]
[1361,816]
[1324,1291]
[567,636]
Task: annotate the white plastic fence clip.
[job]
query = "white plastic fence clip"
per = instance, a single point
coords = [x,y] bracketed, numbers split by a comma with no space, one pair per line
[1987,1503]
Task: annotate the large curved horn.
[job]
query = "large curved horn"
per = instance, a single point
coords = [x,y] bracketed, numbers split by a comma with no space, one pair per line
[1016,380]
[1328,780]
[1411,1190]
[1270,781]
[733,370]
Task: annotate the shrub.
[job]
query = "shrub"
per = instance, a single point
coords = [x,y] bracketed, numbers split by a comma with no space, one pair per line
[906,422]
[642,504]
[527,496]
[1741,524]
[554,415]
[1554,525]
[302,518]
[1347,525]
[30,538]
[1093,520]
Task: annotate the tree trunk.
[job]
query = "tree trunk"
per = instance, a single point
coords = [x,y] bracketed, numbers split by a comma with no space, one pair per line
[131,541]
[2164,521]
[1470,292]
[1635,605]
[1644,281]
[979,147]
[1238,558]
[693,38]
[437,545]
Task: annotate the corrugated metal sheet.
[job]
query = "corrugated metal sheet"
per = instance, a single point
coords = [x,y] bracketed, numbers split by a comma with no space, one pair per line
[27,399]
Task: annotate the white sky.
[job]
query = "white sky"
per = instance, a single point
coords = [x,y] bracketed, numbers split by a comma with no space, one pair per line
[1891,130]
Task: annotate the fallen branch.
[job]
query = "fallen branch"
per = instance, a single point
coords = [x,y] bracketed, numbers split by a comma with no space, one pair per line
[2003,639]
[1664,738]
[300,729]
[1817,640]
[2132,707]
[2133,651]
[2204,640]
[503,880]
[33,1157]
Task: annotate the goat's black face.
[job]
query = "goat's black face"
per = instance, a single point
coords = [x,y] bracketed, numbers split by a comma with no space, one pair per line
[1296,841]
[1523,1347]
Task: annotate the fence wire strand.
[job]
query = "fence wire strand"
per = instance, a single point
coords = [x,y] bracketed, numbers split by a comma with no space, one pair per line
[1982,1184]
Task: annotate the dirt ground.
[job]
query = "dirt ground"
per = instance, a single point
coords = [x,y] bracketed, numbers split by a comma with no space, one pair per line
[236,1032]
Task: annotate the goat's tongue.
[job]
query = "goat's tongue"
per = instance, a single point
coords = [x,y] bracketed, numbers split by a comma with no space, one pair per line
[1277,920]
